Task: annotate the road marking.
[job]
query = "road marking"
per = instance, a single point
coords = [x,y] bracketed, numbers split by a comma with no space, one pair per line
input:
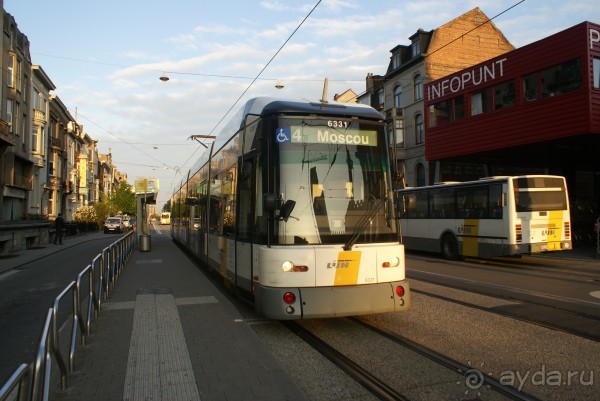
[159,366]
[148,261]
[209,299]
[595,294]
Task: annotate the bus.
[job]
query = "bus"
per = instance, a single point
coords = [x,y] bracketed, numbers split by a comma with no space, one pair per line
[494,216]
[165,218]
[292,205]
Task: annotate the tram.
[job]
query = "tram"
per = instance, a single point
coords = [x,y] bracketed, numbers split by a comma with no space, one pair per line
[292,205]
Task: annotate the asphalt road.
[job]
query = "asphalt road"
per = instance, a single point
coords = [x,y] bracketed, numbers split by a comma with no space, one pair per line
[26,294]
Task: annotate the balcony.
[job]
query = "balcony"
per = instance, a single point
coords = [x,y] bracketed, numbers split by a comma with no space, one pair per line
[7,138]
[57,143]
[39,117]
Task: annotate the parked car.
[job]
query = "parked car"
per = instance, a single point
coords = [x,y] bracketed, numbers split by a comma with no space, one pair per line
[113,225]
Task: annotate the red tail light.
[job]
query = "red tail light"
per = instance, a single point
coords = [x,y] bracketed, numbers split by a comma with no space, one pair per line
[567,230]
[400,291]
[289,298]
[519,232]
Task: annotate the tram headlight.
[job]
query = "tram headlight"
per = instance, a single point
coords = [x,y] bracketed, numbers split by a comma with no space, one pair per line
[289,266]
[394,262]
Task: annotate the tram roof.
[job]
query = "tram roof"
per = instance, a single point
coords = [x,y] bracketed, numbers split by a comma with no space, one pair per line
[264,106]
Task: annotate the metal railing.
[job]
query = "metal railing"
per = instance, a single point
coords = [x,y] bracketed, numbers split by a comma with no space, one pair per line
[31,382]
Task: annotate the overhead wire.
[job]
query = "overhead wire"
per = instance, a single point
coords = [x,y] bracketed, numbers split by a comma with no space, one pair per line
[257,77]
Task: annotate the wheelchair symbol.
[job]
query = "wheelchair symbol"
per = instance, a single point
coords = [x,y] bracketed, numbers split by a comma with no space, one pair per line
[283,135]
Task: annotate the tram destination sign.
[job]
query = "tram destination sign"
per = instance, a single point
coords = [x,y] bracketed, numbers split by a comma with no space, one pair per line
[327,135]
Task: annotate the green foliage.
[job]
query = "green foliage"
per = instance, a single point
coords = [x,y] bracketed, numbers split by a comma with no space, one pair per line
[123,199]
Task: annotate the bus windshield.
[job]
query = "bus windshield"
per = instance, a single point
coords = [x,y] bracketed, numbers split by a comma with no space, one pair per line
[336,172]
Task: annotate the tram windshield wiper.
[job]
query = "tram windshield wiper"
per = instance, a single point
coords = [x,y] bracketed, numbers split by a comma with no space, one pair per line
[363,223]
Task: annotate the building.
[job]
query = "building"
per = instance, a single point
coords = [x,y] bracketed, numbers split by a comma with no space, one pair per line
[40,101]
[469,39]
[16,166]
[532,110]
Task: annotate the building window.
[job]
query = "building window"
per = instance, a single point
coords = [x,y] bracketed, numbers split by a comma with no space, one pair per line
[398,96]
[418,82]
[10,108]
[420,180]
[415,48]
[419,133]
[504,95]
[530,87]
[34,139]
[11,65]
[381,99]
[446,111]
[597,73]
[395,60]
[480,102]
[399,132]
[562,78]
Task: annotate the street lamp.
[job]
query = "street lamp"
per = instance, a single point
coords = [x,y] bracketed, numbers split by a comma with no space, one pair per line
[164,77]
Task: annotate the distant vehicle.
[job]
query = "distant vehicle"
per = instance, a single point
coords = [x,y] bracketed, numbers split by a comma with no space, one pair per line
[495,216]
[127,222]
[113,225]
[165,218]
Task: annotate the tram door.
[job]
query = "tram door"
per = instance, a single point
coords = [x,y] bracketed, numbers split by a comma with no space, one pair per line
[245,215]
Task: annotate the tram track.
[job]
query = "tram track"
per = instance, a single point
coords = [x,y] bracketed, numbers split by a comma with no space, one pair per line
[374,385]
[398,388]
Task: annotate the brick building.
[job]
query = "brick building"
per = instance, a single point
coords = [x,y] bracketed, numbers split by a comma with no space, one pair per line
[398,94]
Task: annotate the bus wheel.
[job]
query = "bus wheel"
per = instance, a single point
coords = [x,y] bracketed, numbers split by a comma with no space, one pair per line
[449,247]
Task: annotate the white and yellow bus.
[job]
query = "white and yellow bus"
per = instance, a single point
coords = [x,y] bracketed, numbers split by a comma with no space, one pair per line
[165,218]
[495,216]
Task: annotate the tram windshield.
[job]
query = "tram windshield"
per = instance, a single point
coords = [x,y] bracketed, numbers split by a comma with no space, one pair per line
[336,172]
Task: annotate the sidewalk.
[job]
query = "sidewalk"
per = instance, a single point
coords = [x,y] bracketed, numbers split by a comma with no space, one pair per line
[25,256]
[166,333]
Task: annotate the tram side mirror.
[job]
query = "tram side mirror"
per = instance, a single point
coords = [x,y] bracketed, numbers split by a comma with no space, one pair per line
[270,202]
[286,210]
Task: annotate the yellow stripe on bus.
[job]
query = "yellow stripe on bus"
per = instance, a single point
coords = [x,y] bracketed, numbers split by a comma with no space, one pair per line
[346,272]
[470,245]
[555,225]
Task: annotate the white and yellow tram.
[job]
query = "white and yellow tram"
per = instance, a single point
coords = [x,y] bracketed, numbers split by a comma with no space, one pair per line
[292,204]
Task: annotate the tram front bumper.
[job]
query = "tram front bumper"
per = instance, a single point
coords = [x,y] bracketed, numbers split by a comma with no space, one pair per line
[317,302]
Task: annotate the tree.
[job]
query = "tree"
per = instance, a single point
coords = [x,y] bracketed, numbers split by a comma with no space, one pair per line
[123,199]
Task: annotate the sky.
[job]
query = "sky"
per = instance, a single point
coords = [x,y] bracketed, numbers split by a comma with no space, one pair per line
[106,57]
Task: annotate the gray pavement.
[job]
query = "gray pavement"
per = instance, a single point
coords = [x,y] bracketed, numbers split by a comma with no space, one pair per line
[167,333]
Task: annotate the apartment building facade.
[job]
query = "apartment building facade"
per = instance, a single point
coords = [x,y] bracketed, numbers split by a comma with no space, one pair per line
[466,40]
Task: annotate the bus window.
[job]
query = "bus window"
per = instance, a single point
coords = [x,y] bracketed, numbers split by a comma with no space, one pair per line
[442,204]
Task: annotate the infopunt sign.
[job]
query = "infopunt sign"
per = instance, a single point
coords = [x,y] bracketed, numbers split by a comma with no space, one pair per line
[474,76]
[594,38]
